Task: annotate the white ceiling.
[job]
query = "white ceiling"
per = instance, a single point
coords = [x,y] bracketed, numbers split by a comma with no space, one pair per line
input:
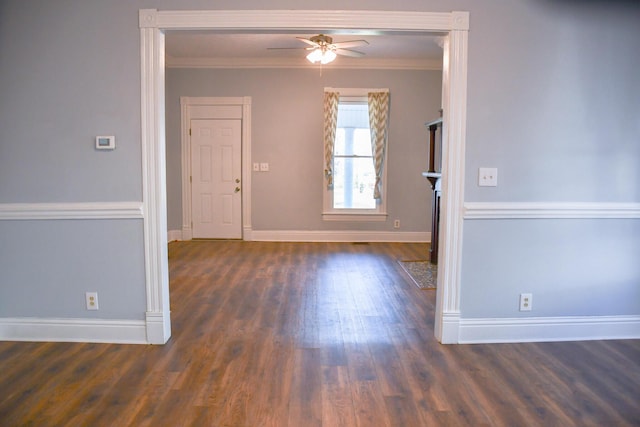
[207,49]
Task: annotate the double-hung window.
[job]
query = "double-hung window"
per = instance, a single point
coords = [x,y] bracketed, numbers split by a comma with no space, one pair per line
[351,173]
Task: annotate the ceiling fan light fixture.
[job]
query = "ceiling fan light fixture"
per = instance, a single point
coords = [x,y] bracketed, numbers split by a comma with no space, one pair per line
[328,56]
[314,56]
[323,56]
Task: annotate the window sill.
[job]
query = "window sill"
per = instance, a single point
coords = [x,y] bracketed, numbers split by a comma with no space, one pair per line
[354,216]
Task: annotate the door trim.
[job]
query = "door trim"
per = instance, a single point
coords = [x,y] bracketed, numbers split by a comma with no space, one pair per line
[190,108]
[153,23]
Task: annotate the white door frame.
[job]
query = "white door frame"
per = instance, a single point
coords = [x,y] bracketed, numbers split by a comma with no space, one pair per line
[455,26]
[197,108]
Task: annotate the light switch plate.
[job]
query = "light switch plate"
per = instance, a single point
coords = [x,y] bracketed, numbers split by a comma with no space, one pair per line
[488,177]
[264,167]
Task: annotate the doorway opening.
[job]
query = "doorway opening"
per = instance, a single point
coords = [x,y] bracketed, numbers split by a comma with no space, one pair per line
[153,23]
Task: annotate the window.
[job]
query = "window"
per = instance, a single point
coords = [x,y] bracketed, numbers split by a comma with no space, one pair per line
[353,172]
[350,191]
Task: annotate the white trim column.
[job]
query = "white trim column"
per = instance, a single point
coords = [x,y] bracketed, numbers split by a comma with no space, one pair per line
[454,104]
[246,168]
[154,199]
[185,147]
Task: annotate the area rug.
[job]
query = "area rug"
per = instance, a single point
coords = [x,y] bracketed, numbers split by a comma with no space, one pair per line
[423,273]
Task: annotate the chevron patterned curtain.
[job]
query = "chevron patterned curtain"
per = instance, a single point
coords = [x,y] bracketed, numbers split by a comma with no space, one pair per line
[330,122]
[378,119]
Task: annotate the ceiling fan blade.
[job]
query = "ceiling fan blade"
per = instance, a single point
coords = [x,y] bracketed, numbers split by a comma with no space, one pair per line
[307,41]
[350,43]
[349,52]
[285,48]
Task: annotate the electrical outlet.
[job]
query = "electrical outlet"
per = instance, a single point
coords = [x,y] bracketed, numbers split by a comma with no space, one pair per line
[91,300]
[526,302]
[488,177]
[396,223]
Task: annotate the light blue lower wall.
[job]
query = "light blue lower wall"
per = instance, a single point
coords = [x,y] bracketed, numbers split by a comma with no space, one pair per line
[48,265]
[573,267]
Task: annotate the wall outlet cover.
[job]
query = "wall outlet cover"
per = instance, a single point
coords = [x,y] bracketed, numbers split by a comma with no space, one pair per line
[488,177]
[526,302]
[91,299]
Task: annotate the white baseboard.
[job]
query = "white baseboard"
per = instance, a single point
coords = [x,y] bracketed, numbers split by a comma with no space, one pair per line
[184,234]
[174,235]
[541,329]
[450,328]
[73,330]
[322,236]
[339,236]
[158,327]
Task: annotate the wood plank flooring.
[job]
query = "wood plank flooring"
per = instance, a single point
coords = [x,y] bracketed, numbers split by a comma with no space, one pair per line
[313,334]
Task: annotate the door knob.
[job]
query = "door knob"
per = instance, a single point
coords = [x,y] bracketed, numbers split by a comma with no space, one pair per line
[236,190]
[237,180]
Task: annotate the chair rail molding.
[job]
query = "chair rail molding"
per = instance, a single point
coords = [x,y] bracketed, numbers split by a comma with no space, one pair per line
[550,210]
[152,23]
[82,210]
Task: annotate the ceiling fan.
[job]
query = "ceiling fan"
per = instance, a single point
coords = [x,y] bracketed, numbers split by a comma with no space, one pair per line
[323,49]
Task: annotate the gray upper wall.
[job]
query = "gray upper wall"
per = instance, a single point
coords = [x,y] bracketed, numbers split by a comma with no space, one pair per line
[287,132]
[69,71]
[554,101]
[553,96]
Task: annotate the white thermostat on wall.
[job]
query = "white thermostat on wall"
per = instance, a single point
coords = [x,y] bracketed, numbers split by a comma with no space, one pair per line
[105,142]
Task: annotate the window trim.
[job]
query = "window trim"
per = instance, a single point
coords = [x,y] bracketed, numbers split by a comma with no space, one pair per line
[379,214]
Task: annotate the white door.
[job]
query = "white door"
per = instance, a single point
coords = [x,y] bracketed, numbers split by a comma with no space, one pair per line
[215,183]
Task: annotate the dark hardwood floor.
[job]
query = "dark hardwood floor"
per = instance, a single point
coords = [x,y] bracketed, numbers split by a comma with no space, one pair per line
[313,334]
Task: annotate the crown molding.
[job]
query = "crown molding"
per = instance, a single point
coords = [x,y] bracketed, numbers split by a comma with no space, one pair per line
[341,63]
